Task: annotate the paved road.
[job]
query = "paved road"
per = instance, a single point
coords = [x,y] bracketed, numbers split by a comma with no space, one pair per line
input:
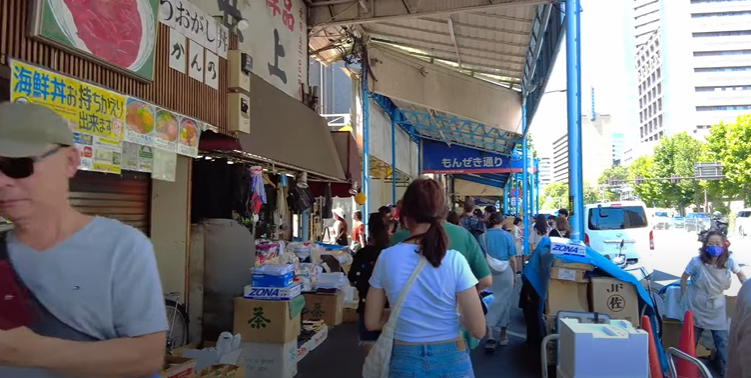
[340,355]
[674,249]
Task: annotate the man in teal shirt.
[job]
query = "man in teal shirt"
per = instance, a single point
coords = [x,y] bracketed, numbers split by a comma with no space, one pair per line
[462,241]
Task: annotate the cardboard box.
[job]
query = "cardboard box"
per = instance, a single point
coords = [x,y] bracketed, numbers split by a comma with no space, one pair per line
[313,343]
[326,307]
[351,316]
[178,367]
[566,296]
[267,321]
[272,293]
[262,360]
[565,274]
[579,266]
[615,298]
[266,280]
[221,371]
[567,247]
[671,335]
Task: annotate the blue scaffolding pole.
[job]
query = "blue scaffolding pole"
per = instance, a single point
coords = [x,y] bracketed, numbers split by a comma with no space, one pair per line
[419,157]
[505,195]
[537,186]
[365,147]
[525,177]
[393,156]
[517,205]
[573,102]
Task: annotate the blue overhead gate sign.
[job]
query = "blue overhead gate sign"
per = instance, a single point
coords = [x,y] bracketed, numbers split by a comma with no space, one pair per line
[439,157]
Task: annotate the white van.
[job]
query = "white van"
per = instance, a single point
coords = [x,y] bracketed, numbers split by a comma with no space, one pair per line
[620,229]
[743,222]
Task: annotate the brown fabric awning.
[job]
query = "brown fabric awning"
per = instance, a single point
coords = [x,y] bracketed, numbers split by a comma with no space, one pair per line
[346,147]
[283,129]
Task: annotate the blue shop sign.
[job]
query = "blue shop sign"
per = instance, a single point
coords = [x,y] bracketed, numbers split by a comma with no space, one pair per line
[439,157]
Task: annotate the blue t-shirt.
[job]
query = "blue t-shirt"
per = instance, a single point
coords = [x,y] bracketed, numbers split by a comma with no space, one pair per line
[102,281]
[429,310]
[500,244]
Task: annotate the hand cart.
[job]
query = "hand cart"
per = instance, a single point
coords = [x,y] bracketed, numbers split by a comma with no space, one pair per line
[672,353]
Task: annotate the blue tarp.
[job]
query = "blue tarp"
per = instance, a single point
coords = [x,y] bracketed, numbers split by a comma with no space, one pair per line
[537,274]
[333,247]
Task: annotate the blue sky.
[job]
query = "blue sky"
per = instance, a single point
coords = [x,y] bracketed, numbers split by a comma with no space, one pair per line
[605,48]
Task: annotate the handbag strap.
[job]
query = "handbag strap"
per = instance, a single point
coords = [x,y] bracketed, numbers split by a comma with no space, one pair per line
[484,244]
[3,246]
[396,309]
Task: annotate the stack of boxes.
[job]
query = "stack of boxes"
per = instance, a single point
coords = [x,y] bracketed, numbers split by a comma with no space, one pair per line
[325,306]
[268,318]
[181,367]
[572,287]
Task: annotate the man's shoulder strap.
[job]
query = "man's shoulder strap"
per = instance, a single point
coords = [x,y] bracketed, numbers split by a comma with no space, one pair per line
[3,246]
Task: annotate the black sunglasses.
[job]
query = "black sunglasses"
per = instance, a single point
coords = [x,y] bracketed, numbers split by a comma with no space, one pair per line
[20,168]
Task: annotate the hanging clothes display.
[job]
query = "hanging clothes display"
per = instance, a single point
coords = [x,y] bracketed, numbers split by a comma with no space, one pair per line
[328,203]
[258,196]
[281,199]
[242,193]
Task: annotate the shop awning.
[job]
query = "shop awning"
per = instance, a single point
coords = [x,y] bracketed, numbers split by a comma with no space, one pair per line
[285,130]
[476,186]
[346,148]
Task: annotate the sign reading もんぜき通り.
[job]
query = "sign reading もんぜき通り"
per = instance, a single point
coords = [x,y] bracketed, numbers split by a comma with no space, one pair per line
[439,157]
[94,114]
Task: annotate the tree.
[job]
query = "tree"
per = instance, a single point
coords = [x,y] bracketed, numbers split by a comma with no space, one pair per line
[648,191]
[618,173]
[592,194]
[730,145]
[531,145]
[675,156]
[554,196]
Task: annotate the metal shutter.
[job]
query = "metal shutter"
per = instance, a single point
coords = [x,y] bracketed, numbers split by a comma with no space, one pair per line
[125,197]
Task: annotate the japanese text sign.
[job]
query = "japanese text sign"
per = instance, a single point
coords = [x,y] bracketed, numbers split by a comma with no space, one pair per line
[563,246]
[186,18]
[439,157]
[88,108]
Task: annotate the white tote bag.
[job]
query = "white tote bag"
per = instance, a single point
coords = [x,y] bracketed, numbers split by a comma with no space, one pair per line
[497,266]
[379,359]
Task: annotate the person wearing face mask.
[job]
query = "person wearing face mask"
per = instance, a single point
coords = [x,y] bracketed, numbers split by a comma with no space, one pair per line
[711,273]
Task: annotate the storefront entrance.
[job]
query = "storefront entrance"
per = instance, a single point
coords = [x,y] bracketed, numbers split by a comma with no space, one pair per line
[125,197]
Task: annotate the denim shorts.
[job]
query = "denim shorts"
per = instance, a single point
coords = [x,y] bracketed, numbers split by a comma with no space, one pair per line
[366,337]
[443,360]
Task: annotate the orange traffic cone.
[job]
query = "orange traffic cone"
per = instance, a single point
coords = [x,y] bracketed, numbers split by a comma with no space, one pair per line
[685,369]
[654,362]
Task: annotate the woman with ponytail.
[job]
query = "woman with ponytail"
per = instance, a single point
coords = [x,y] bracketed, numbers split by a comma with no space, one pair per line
[428,329]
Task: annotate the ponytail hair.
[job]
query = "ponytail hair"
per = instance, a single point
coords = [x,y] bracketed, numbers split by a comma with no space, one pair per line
[423,203]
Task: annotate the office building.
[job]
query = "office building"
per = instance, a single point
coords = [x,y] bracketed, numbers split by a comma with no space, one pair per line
[619,144]
[544,171]
[640,149]
[646,20]
[693,65]
[334,86]
[597,150]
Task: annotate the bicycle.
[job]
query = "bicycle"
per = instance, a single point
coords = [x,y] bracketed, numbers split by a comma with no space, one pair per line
[177,322]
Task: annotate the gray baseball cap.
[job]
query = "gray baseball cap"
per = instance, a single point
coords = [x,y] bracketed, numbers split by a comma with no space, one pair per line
[27,130]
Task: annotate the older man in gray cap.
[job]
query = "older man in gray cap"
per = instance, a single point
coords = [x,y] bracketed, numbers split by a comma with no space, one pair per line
[85,298]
